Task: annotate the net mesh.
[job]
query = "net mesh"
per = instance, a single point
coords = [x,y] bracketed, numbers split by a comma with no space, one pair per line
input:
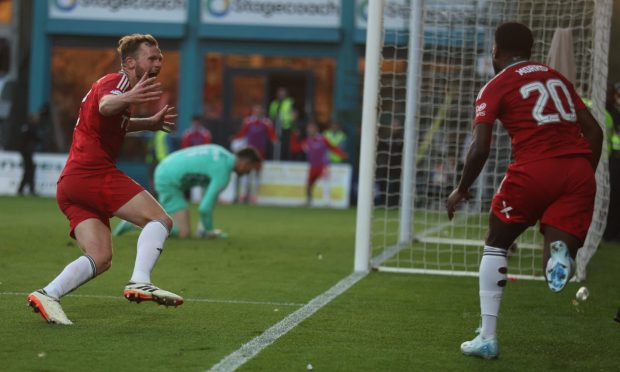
[455,63]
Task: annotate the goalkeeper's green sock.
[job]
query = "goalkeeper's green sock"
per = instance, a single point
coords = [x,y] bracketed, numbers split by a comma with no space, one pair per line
[123,227]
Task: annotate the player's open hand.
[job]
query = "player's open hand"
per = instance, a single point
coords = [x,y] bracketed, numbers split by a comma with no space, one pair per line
[455,197]
[163,119]
[146,90]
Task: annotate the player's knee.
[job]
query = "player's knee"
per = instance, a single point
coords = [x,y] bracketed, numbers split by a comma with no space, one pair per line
[497,240]
[104,266]
[103,262]
[165,220]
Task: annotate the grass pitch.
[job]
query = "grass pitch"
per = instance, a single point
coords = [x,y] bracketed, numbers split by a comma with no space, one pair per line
[276,260]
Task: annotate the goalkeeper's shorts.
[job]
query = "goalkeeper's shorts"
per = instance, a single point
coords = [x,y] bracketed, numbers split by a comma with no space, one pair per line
[170,197]
[558,192]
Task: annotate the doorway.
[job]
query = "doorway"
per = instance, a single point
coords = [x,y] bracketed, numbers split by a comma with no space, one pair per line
[246,87]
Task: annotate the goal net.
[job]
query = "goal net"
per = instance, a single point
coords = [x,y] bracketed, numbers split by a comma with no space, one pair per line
[434,56]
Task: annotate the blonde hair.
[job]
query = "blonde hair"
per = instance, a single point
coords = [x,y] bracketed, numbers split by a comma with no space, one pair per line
[129,44]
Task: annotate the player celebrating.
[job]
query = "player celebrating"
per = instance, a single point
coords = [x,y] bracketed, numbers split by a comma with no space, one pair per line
[209,166]
[556,146]
[91,189]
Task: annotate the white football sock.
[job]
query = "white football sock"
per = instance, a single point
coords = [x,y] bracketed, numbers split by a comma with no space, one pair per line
[150,245]
[74,275]
[492,279]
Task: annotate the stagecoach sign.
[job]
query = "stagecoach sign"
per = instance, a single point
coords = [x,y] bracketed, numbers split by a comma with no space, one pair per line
[169,11]
[301,13]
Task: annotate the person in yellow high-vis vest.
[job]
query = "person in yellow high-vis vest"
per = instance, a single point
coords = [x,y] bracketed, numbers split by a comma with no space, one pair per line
[337,138]
[159,147]
[612,231]
[281,114]
[612,135]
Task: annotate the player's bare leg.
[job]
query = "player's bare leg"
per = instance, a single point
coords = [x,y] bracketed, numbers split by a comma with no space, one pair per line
[492,279]
[559,254]
[93,237]
[181,223]
[144,211]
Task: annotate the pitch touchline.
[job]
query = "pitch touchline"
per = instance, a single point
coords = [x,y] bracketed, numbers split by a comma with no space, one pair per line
[215,301]
[250,349]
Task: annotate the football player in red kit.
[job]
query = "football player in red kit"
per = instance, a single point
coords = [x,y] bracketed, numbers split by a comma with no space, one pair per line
[91,189]
[556,146]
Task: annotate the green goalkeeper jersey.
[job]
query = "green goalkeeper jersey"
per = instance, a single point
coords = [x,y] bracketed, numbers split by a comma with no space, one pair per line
[208,166]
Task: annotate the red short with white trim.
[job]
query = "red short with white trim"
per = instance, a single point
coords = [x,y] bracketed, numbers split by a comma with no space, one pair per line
[558,191]
[99,195]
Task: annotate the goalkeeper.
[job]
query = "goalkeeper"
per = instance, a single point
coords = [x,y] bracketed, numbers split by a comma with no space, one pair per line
[209,166]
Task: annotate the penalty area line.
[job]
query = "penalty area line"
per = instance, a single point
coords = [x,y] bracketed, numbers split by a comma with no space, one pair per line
[250,349]
[209,300]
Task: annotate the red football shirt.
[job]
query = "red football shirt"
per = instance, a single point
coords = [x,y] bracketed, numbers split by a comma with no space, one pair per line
[537,106]
[96,138]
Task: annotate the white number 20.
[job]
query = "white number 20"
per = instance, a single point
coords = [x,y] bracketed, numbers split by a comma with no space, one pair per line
[550,88]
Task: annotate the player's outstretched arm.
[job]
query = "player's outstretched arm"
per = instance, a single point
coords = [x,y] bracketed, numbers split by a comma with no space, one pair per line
[160,121]
[476,157]
[205,209]
[146,90]
[592,133]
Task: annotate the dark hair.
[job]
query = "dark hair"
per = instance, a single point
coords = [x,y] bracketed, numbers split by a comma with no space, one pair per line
[250,153]
[197,118]
[129,44]
[515,38]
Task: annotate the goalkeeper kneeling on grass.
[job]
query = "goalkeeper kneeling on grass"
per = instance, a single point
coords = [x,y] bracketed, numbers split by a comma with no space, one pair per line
[208,166]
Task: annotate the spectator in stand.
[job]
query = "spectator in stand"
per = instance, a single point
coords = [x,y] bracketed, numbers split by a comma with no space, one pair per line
[317,147]
[29,135]
[336,137]
[281,113]
[257,130]
[297,135]
[196,135]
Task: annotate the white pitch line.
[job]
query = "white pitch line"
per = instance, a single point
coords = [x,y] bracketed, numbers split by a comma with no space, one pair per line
[209,300]
[250,349]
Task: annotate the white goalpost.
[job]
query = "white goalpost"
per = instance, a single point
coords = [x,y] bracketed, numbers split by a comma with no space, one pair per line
[425,62]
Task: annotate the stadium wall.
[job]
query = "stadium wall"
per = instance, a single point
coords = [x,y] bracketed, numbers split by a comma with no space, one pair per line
[195,28]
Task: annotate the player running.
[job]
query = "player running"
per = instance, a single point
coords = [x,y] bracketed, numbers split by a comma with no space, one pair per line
[556,146]
[208,166]
[91,189]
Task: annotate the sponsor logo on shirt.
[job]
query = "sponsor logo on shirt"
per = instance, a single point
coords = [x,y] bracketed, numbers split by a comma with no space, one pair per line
[480,109]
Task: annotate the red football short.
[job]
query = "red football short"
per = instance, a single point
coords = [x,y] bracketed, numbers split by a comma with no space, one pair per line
[315,173]
[99,195]
[557,191]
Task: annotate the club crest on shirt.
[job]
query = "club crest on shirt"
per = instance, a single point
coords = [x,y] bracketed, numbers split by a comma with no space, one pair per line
[480,109]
